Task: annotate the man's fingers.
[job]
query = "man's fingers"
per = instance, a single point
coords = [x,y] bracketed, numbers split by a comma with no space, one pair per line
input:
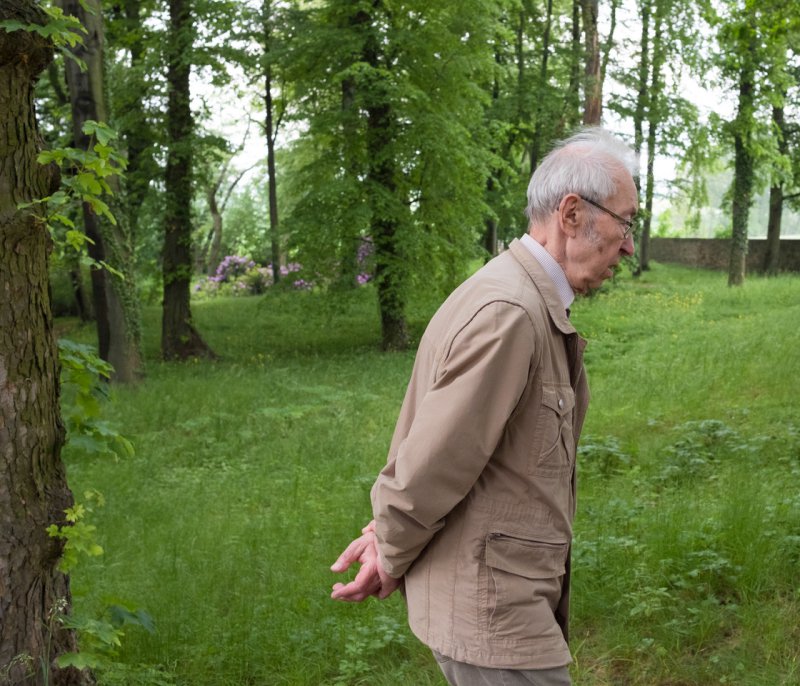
[351,554]
[353,592]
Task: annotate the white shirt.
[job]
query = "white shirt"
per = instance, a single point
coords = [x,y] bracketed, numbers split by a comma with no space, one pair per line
[553,269]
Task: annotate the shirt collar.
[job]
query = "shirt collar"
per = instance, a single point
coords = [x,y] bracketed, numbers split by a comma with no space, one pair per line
[553,269]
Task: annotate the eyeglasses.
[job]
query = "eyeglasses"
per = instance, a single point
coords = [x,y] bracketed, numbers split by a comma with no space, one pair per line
[628,223]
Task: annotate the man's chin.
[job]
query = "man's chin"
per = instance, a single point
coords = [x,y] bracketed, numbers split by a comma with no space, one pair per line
[589,288]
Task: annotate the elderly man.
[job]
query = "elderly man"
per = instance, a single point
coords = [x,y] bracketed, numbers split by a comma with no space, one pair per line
[474,508]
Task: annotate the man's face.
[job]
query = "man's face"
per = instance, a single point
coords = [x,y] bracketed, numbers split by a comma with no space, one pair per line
[599,245]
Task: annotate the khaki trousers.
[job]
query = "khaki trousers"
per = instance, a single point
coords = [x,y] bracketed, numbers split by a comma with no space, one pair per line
[463,674]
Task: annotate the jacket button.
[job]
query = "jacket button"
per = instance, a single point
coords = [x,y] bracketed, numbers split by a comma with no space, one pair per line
[561,403]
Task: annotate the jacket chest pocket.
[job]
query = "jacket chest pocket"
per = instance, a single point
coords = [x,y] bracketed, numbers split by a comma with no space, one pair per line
[554,443]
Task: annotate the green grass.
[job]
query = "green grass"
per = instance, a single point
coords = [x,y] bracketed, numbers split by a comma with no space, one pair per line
[252,473]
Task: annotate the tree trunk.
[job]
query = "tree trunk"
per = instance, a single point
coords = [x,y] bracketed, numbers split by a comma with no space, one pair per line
[773,254]
[116,300]
[743,168]
[536,145]
[490,236]
[642,81]
[33,487]
[385,225]
[641,108]
[179,338]
[272,182]
[593,84]
[271,132]
[141,169]
[653,122]
[572,102]
[608,46]
[216,230]
[384,232]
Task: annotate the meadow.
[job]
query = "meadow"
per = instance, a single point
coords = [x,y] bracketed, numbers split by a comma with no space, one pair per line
[251,474]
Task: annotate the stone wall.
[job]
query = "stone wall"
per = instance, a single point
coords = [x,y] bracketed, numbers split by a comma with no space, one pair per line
[714,253]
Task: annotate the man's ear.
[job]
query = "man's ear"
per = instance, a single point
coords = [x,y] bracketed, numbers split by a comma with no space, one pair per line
[570,214]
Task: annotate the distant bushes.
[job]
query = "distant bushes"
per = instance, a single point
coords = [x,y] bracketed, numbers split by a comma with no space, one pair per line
[237,275]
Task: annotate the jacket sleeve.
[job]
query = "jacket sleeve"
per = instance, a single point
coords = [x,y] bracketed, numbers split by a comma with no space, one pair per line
[456,427]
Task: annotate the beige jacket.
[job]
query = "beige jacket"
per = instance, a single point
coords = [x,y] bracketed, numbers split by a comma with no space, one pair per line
[476,502]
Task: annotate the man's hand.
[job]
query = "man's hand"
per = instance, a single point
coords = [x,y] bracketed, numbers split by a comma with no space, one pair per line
[371,578]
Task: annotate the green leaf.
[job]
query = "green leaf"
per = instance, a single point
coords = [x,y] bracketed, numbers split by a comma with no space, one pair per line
[76,239]
[82,660]
[63,219]
[12,25]
[103,132]
[89,183]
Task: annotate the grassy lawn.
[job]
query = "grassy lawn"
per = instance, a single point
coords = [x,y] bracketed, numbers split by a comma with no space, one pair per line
[252,473]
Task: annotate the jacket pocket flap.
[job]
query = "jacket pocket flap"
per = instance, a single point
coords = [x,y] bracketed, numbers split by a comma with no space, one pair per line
[560,399]
[529,559]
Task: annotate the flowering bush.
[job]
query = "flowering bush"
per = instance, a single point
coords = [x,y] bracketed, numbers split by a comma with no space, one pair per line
[258,279]
[237,275]
[365,261]
[231,267]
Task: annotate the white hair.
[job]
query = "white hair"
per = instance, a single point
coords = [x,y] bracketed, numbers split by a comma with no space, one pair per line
[585,163]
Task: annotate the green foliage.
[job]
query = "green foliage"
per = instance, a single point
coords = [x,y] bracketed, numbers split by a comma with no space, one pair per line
[362,646]
[64,30]
[84,378]
[85,175]
[84,387]
[78,534]
[101,638]
[417,69]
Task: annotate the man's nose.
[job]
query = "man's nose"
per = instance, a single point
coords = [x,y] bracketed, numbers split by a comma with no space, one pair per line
[627,247]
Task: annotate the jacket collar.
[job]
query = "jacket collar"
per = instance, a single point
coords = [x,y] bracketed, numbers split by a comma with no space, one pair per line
[544,285]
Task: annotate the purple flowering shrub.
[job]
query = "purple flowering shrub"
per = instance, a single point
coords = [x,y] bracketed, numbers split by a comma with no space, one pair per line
[232,267]
[237,275]
[364,260]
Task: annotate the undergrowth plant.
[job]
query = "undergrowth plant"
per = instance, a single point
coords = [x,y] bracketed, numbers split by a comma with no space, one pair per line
[84,386]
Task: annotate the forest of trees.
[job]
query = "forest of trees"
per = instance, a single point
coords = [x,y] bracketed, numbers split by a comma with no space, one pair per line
[409,126]
[412,126]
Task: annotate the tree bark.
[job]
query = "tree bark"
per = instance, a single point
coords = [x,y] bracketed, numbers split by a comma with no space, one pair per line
[571,111]
[654,118]
[385,226]
[773,253]
[137,135]
[33,487]
[490,235]
[642,81]
[743,166]
[536,145]
[593,84]
[116,300]
[216,229]
[271,132]
[179,339]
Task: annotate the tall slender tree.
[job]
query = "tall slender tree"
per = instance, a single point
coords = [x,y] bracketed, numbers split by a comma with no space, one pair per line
[744,163]
[131,88]
[752,38]
[179,338]
[274,110]
[772,253]
[115,295]
[33,486]
[414,162]
[593,83]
